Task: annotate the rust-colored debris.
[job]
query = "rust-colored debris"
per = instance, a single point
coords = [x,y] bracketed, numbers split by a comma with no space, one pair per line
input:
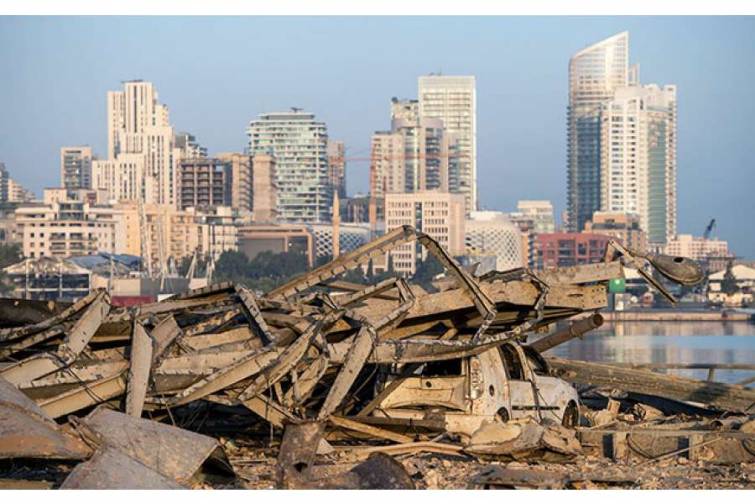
[370,372]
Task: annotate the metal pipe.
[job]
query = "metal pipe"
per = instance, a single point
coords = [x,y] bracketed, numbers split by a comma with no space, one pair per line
[574,330]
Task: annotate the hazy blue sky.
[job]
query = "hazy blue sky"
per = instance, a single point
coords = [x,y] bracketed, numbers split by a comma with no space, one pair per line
[216,74]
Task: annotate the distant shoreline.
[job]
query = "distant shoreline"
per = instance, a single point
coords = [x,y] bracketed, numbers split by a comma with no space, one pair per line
[677,316]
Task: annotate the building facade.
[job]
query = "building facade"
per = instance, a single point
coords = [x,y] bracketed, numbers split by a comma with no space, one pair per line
[453,100]
[493,234]
[440,215]
[76,167]
[241,179]
[638,157]
[337,167]
[204,183]
[299,145]
[65,228]
[143,155]
[621,141]
[258,238]
[594,73]
[697,248]
[541,212]
[412,157]
[624,227]
[264,189]
[558,250]
[350,237]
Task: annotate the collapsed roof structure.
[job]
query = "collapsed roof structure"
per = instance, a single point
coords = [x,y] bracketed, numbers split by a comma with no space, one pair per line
[314,350]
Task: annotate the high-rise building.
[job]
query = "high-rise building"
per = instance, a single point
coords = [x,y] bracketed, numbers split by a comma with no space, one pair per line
[299,145]
[204,183]
[621,141]
[264,189]
[4,178]
[337,166]
[541,212]
[638,157]
[594,73]
[387,173]
[76,167]
[412,157]
[241,179]
[438,214]
[453,100]
[142,152]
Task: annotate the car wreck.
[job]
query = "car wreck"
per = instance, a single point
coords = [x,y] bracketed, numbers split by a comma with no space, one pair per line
[372,370]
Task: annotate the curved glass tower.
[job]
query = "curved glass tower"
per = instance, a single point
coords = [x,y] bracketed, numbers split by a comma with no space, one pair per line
[594,74]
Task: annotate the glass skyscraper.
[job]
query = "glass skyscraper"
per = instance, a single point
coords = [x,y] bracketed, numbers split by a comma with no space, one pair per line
[594,73]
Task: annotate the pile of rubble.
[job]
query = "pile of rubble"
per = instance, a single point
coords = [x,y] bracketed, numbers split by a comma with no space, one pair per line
[95,396]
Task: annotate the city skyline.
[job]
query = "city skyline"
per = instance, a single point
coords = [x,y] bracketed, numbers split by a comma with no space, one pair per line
[512,144]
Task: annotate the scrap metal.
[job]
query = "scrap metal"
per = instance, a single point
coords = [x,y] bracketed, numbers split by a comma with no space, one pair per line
[315,351]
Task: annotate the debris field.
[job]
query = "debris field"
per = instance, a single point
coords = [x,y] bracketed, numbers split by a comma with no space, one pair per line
[322,383]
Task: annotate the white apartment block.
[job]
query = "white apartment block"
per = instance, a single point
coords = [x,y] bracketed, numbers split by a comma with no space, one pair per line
[696,248]
[453,99]
[638,158]
[65,228]
[387,173]
[142,152]
[438,214]
[541,212]
[299,145]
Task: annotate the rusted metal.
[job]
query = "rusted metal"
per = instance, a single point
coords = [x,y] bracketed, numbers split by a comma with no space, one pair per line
[138,375]
[726,397]
[575,330]
[170,451]
[297,453]
[76,339]
[111,469]
[27,432]
[356,359]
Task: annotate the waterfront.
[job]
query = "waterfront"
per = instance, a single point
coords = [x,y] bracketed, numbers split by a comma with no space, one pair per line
[669,342]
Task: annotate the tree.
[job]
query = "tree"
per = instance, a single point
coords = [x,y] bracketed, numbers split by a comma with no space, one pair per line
[9,254]
[426,271]
[729,283]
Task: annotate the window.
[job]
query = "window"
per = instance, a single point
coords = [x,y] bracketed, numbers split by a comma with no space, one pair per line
[512,363]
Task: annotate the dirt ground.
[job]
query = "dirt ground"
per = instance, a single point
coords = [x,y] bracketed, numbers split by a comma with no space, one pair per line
[256,470]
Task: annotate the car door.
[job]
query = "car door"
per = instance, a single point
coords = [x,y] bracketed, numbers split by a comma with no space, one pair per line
[521,391]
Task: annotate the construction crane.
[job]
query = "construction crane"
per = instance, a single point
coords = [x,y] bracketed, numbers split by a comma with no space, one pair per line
[709,229]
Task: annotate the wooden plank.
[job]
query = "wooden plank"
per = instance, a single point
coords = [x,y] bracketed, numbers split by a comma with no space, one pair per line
[377,432]
[726,397]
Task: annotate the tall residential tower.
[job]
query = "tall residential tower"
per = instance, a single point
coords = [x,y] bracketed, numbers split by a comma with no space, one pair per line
[453,99]
[299,145]
[621,142]
[594,73]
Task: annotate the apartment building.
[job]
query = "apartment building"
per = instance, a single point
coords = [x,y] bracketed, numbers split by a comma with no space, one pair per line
[438,214]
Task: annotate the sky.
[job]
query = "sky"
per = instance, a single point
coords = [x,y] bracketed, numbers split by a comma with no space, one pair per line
[218,73]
